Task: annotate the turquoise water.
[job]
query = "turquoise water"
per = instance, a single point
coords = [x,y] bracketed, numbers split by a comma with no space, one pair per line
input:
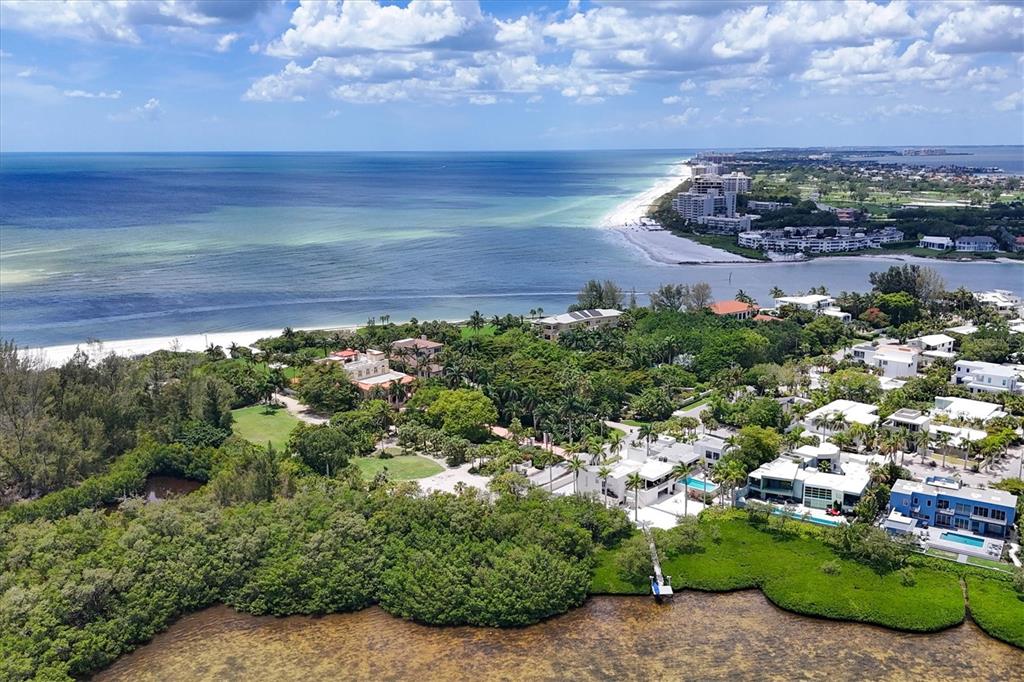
[120,246]
[963,539]
[700,484]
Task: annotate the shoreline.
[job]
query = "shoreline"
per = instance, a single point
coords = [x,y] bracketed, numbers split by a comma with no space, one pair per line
[629,221]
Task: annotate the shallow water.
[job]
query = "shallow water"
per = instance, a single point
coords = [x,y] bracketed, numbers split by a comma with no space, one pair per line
[699,636]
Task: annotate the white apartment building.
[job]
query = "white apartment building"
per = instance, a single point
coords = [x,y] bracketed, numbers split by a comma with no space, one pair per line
[693,205]
[755,205]
[552,326]
[986,377]
[784,241]
[736,182]
[706,168]
[725,224]
[936,243]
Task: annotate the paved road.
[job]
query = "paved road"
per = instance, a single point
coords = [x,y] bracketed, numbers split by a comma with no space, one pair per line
[299,411]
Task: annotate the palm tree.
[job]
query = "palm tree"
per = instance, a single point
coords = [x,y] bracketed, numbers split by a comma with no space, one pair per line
[921,443]
[682,471]
[604,473]
[733,476]
[476,320]
[889,445]
[576,465]
[943,438]
[634,482]
[648,432]
[616,439]
[776,292]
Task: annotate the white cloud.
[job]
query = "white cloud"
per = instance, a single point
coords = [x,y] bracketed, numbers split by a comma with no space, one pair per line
[686,118]
[26,73]
[102,94]
[225,41]
[673,99]
[982,28]
[1012,102]
[150,111]
[483,100]
[889,111]
[121,20]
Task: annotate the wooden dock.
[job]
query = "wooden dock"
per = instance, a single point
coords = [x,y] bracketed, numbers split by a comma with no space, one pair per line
[661,587]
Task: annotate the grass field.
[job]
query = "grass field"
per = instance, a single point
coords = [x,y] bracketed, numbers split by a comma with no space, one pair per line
[255,424]
[401,468]
[787,567]
[486,330]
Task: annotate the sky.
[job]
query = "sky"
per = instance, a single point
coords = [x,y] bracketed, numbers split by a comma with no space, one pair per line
[190,75]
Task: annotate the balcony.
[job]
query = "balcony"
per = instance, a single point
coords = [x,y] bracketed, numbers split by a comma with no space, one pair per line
[987,519]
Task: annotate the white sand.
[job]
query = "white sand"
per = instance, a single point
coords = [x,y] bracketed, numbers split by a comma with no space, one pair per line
[58,355]
[629,220]
[661,246]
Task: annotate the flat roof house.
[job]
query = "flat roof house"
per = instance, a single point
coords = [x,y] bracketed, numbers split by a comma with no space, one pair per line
[551,327]
[894,361]
[943,503]
[986,377]
[711,449]
[936,243]
[1005,302]
[822,420]
[814,476]
[812,302]
[964,408]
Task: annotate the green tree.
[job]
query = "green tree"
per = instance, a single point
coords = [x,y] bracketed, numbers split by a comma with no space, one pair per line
[463,412]
[326,388]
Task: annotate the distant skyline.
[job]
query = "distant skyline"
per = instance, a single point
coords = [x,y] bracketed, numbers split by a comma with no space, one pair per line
[452,75]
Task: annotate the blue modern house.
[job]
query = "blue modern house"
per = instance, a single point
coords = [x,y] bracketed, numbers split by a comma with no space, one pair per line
[942,502]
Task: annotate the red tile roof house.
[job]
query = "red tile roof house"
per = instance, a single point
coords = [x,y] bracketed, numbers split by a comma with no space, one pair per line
[735,309]
[418,355]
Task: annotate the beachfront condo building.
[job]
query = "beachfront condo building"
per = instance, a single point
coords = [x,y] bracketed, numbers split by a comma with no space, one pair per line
[551,327]
[943,503]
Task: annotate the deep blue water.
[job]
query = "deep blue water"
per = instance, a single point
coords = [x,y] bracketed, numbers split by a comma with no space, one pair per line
[117,246]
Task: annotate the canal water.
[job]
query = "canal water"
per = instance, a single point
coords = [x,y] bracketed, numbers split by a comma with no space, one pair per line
[700,636]
[164,487]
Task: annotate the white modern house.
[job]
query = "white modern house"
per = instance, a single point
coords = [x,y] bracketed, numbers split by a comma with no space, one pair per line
[814,476]
[838,415]
[1006,303]
[552,326]
[986,377]
[936,243]
[893,361]
[942,342]
[964,408]
[711,449]
[811,302]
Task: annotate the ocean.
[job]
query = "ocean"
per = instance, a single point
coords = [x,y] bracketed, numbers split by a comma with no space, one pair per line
[123,246]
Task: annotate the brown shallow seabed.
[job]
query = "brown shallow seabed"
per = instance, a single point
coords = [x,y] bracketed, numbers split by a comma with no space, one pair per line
[700,636]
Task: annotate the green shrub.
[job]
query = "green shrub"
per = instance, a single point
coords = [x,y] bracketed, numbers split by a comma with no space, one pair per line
[831,567]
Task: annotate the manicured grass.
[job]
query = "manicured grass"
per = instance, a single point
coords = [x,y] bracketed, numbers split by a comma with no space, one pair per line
[486,330]
[401,468]
[606,578]
[979,561]
[694,404]
[940,553]
[996,608]
[259,426]
[787,568]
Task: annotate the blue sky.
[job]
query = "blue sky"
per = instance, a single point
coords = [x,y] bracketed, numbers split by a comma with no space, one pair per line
[231,75]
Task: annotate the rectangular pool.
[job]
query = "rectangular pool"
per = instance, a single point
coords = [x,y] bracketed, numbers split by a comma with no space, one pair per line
[699,484]
[963,539]
[809,519]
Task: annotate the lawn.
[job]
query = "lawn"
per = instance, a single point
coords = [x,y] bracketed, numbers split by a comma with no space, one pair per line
[401,468]
[726,243]
[486,330]
[606,578]
[257,425]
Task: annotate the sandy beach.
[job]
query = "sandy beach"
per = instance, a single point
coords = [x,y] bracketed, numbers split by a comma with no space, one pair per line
[58,355]
[629,221]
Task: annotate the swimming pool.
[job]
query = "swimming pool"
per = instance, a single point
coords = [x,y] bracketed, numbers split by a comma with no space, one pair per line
[699,484]
[810,519]
[963,539]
